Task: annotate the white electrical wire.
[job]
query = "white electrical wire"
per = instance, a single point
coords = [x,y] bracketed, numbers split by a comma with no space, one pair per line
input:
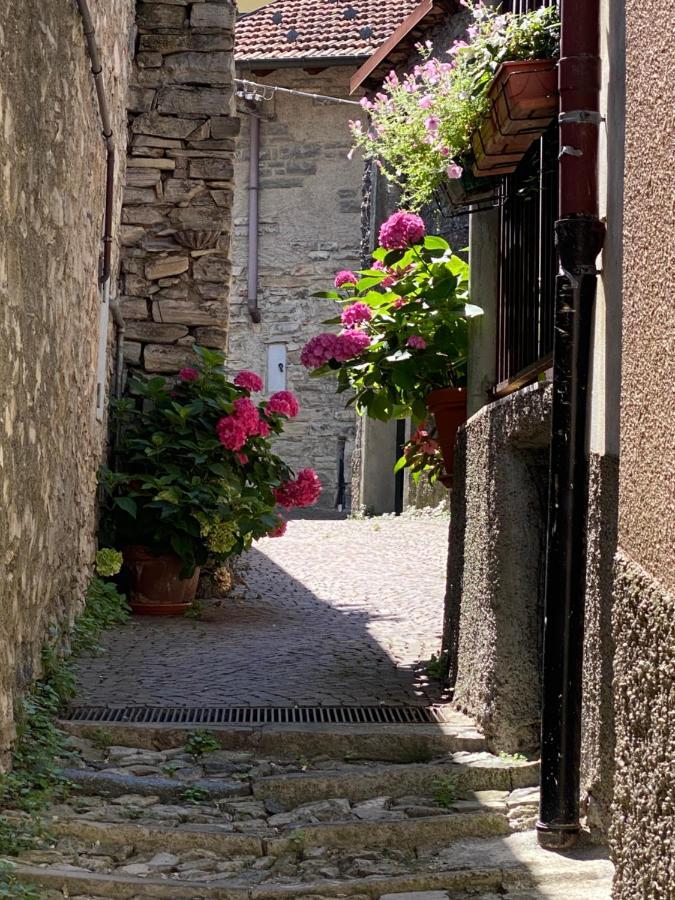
[251,90]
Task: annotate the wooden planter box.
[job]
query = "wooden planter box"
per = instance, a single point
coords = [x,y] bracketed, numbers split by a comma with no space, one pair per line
[523,103]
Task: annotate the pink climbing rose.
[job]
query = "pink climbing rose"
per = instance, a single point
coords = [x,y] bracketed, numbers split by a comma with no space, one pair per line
[416,342]
[345,277]
[401,230]
[188,374]
[355,314]
[283,403]
[249,381]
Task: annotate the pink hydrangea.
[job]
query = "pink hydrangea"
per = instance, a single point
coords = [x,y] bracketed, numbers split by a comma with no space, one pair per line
[243,458]
[283,403]
[401,230]
[351,343]
[416,342]
[279,529]
[247,415]
[188,374]
[249,381]
[304,491]
[319,350]
[345,277]
[264,429]
[356,314]
[231,433]
[390,280]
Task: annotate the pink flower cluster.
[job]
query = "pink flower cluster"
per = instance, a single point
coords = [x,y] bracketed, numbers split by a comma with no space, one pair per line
[188,374]
[283,403]
[416,342]
[279,529]
[304,491]
[354,315]
[345,277]
[401,230]
[323,347]
[249,381]
[234,430]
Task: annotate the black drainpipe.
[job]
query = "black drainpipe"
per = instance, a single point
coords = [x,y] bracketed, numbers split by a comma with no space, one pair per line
[579,237]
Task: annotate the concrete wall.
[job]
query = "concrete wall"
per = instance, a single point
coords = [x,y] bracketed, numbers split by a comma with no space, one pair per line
[179,188]
[644,584]
[310,208]
[52,184]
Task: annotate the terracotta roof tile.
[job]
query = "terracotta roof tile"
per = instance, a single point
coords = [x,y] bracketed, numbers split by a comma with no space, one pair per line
[321,29]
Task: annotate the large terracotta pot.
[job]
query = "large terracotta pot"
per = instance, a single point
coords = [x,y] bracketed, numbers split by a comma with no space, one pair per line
[156,586]
[448,407]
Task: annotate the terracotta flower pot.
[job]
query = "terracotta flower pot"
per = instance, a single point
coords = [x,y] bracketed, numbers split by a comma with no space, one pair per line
[448,407]
[156,586]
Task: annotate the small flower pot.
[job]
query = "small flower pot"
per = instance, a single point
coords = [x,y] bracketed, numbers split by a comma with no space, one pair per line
[449,409]
[156,586]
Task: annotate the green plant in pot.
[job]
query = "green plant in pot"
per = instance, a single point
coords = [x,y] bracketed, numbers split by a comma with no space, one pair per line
[195,478]
[404,344]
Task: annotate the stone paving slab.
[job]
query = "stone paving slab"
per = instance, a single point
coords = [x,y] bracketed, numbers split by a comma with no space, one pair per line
[336,612]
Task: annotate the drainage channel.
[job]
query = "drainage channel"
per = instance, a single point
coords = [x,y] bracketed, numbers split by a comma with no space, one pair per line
[258,715]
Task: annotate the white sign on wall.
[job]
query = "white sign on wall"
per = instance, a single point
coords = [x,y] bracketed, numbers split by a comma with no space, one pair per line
[276,368]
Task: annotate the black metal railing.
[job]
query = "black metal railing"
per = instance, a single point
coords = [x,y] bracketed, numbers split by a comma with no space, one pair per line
[527,266]
[523,6]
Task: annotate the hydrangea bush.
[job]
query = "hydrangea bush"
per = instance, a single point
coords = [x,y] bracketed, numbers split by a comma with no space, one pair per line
[405,324]
[194,472]
[419,126]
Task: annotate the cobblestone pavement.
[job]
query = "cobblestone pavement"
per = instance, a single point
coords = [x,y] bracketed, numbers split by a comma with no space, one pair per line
[336,612]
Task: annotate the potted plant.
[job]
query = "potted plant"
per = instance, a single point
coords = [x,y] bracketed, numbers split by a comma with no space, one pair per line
[421,126]
[195,478]
[403,347]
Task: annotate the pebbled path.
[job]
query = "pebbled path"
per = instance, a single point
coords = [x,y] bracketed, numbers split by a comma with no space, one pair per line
[336,612]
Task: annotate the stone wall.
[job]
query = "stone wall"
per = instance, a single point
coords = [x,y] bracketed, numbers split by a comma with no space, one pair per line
[644,583]
[52,191]
[179,189]
[310,202]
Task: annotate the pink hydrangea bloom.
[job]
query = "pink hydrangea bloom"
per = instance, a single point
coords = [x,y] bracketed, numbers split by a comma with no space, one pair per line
[283,403]
[345,277]
[264,429]
[243,458]
[355,314]
[390,280]
[249,381]
[246,413]
[188,374]
[401,230]
[231,433]
[279,529]
[304,491]
[416,342]
[319,350]
[351,343]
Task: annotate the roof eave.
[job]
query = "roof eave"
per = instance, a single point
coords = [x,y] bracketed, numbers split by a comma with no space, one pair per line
[289,62]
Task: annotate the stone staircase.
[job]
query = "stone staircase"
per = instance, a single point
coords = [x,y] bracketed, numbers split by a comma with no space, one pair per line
[277,813]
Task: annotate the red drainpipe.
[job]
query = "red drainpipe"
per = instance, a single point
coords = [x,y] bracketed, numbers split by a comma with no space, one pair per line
[579,238]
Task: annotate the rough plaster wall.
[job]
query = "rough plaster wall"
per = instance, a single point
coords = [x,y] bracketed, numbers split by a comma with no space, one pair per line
[179,189]
[644,615]
[493,612]
[310,207]
[644,800]
[52,178]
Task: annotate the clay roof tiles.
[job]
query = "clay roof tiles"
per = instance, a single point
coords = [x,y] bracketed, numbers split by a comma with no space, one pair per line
[318,29]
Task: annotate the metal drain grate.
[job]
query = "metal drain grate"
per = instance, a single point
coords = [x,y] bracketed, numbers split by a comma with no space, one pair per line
[258,715]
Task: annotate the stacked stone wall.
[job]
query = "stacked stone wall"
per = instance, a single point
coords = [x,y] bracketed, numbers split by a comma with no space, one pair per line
[179,188]
[52,197]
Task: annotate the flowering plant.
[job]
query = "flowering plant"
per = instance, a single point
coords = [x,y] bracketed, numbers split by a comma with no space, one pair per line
[421,125]
[195,473]
[405,324]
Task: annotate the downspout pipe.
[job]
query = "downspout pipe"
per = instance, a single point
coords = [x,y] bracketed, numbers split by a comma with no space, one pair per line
[579,238]
[106,268]
[253,218]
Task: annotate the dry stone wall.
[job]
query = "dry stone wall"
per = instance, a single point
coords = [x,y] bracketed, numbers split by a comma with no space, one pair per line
[52,192]
[178,197]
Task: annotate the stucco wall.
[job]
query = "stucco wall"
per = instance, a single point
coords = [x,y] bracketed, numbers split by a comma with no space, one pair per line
[52,181]
[310,208]
[644,808]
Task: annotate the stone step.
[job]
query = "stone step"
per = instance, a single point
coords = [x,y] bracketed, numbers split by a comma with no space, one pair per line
[386,743]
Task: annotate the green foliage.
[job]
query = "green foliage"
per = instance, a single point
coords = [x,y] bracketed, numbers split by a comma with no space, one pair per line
[99,737]
[423,294]
[420,127]
[108,562]
[176,488]
[195,795]
[437,665]
[445,791]
[199,743]
[12,889]
[513,757]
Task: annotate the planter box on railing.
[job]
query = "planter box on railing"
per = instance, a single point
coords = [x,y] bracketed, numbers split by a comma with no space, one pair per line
[523,103]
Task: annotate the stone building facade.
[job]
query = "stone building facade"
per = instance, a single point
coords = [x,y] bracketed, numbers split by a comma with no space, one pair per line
[52,199]
[309,229]
[179,185]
